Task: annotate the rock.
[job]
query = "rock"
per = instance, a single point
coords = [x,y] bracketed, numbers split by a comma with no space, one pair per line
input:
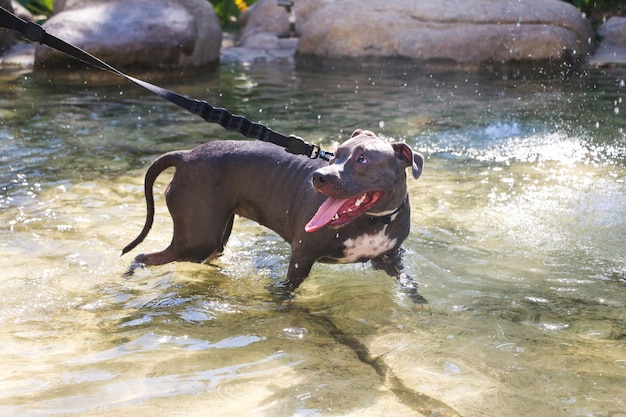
[479,31]
[276,50]
[612,49]
[60,5]
[148,34]
[472,32]
[20,55]
[7,37]
[266,23]
[11,53]
[21,11]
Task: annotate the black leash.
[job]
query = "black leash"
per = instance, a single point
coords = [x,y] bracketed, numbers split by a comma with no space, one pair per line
[293,144]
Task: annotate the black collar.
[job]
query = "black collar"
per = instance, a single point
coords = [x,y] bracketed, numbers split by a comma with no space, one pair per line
[388,218]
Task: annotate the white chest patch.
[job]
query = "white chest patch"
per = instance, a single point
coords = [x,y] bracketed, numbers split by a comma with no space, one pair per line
[367,246]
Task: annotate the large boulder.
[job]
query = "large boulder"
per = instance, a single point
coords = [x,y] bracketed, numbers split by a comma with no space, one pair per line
[7,37]
[266,31]
[140,33]
[470,32]
[266,23]
[612,49]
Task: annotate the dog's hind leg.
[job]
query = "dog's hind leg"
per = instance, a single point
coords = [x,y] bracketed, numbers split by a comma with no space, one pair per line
[193,243]
[202,220]
[156,258]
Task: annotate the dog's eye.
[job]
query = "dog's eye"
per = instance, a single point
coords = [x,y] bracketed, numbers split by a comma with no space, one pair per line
[362,159]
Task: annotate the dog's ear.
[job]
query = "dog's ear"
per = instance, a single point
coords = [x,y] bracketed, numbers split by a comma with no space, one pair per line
[359,132]
[411,159]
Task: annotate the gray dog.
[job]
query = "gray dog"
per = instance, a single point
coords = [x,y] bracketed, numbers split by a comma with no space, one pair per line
[353,209]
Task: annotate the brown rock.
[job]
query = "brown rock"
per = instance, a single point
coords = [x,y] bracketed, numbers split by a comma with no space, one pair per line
[266,22]
[7,37]
[470,32]
[476,31]
[612,49]
[141,33]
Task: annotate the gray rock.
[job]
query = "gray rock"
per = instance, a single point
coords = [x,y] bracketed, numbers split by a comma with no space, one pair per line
[20,55]
[476,31]
[60,5]
[265,23]
[7,37]
[278,50]
[21,11]
[612,49]
[147,34]
[470,32]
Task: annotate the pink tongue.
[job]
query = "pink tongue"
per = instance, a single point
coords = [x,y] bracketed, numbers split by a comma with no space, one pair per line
[325,213]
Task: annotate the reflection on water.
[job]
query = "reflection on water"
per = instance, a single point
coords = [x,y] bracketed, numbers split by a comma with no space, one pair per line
[519,229]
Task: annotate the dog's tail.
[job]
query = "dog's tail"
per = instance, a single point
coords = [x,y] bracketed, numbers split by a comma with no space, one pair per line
[170,159]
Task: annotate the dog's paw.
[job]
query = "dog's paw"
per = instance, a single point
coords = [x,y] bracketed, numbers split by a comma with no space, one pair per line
[283,290]
[409,287]
[133,266]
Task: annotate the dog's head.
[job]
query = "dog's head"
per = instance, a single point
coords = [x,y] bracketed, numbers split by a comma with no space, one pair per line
[366,175]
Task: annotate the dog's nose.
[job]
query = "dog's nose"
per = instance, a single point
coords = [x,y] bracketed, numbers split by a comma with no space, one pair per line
[319,178]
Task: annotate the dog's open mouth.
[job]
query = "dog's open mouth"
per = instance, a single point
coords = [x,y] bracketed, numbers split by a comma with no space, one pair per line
[338,211]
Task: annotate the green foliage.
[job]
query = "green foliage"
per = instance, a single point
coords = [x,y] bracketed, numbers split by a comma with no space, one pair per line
[580,3]
[229,10]
[595,7]
[38,7]
[599,10]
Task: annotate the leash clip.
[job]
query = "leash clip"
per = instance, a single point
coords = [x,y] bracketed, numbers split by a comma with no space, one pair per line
[325,155]
[320,153]
[298,146]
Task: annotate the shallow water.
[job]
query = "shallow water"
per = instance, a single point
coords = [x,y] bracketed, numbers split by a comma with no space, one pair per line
[518,237]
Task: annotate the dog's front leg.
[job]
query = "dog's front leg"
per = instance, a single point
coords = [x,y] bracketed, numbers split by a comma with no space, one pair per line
[299,268]
[391,263]
[410,287]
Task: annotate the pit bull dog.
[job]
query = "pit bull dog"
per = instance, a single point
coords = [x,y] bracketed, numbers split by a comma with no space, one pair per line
[353,209]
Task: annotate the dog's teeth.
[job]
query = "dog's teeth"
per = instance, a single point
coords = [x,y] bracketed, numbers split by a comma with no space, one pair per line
[361,200]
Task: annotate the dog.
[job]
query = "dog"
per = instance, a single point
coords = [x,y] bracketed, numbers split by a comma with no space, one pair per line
[354,208]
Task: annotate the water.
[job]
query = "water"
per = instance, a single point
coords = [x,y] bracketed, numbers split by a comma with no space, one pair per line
[519,229]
